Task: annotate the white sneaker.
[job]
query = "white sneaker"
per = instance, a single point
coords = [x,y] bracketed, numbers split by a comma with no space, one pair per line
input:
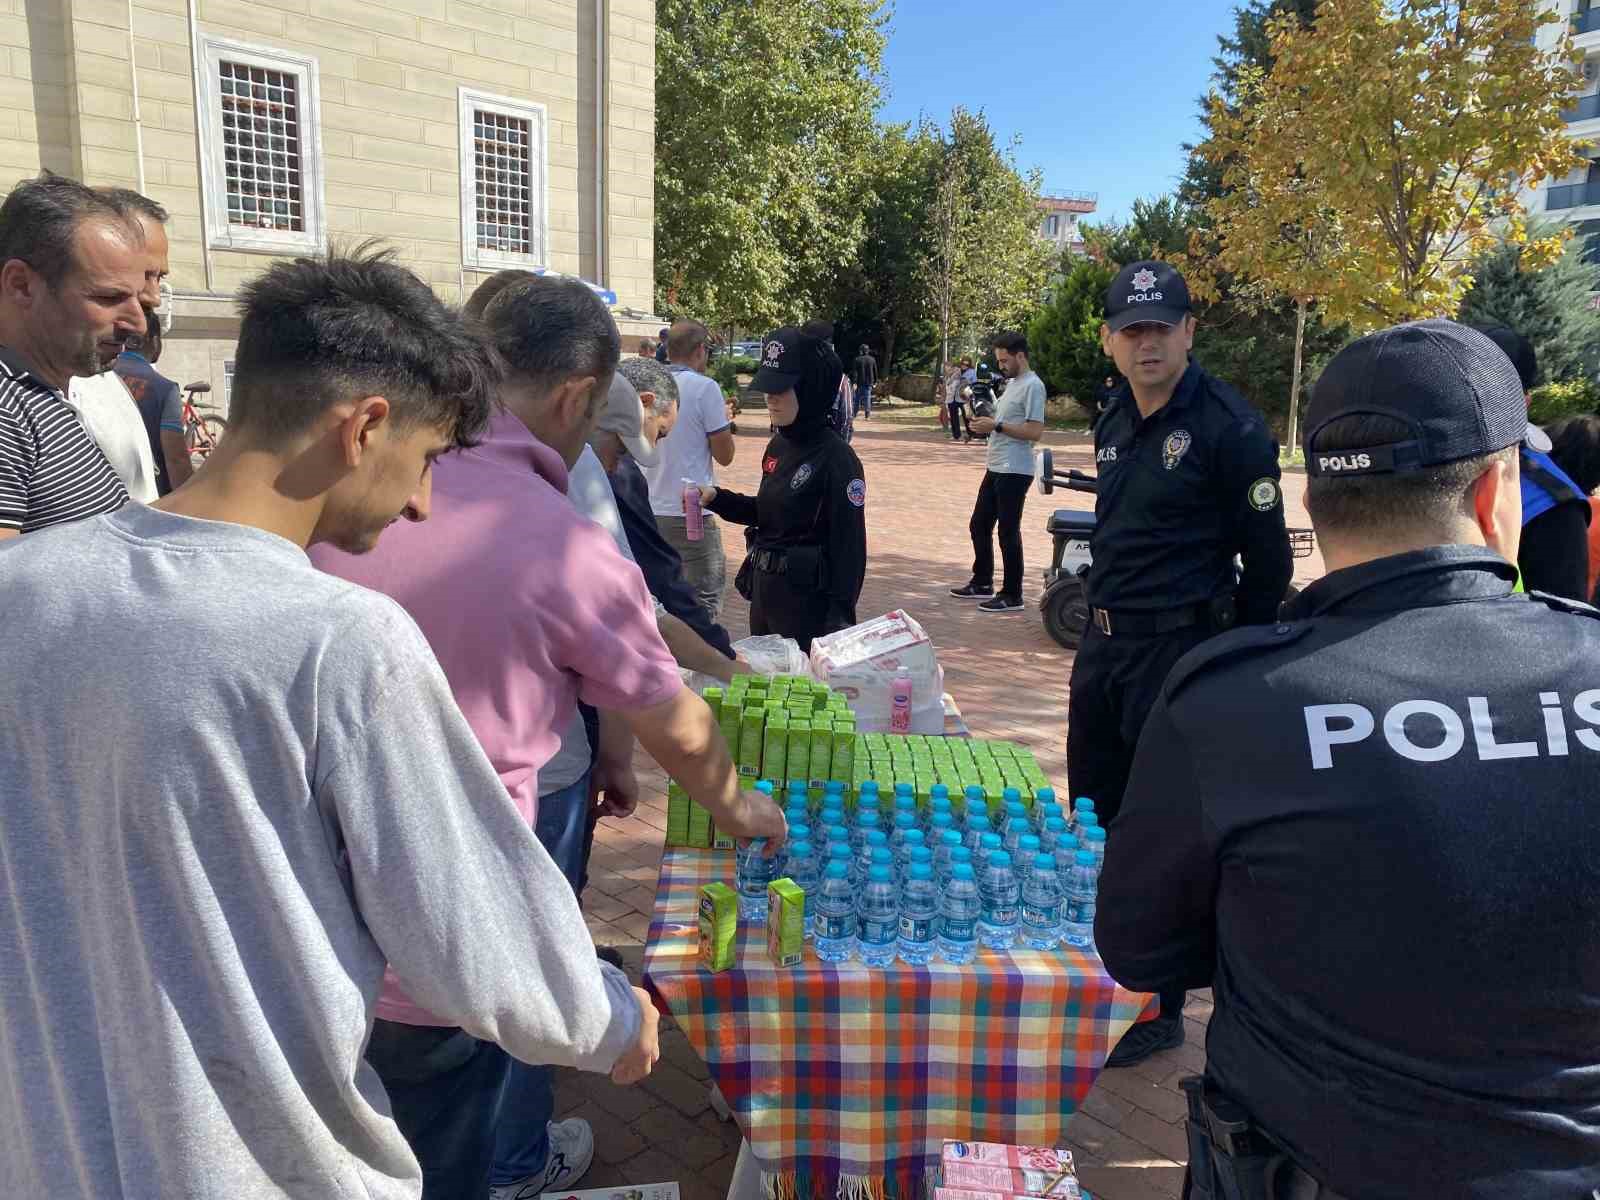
[571,1154]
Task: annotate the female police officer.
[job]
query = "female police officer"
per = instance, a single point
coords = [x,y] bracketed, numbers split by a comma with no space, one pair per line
[810,551]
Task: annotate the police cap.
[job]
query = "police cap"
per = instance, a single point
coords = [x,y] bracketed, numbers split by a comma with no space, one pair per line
[1147,291]
[1454,388]
[784,355]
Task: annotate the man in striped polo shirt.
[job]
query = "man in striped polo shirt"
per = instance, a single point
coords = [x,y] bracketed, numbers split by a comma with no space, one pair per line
[71,271]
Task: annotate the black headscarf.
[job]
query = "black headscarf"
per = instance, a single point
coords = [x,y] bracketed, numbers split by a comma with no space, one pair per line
[817,390]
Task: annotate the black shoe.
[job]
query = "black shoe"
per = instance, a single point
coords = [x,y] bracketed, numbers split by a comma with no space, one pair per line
[971,591]
[610,955]
[1001,604]
[1145,1039]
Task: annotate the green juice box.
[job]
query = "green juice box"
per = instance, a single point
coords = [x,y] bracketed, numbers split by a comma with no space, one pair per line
[752,725]
[728,722]
[821,754]
[844,753]
[699,826]
[775,750]
[799,759]
[713,697]
[719,926]
[786,923]
[677,815]
[721,840]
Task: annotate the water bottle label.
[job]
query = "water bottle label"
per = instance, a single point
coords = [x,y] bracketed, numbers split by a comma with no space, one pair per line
[914,930]
[1001,914]
[1035,914]
[878,933]
[837,926]
[959,929]
[1080,912]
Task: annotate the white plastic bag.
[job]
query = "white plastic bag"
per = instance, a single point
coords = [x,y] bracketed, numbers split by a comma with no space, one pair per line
[767,654]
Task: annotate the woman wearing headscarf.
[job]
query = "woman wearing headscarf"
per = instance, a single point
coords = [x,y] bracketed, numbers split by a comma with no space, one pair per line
[809,555]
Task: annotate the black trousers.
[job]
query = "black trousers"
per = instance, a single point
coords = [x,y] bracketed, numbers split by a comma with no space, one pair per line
[1001,496]
[1115,683]
[956,410]
[779,607]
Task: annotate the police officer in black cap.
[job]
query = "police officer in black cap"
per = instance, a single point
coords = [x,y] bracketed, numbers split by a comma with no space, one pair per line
[1188,480]
[809,556]
[1372,827]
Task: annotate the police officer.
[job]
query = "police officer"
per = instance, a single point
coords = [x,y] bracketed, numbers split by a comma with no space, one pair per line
[1371,827]
[809,556]
[1554,555]
[1188,479]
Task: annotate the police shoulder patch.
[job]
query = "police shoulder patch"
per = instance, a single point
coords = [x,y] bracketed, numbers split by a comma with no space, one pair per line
[802,475]
[1265,494]
[856,492]
[1229,647]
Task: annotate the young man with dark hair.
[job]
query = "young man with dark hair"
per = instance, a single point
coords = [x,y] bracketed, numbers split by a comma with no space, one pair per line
[1554,554]
[1017,424]
[72,265]
[160,406]
[229,904]
[864,375]
[1317,822]
[530,607]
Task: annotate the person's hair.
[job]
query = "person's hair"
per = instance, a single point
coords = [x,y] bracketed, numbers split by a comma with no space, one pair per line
[1518,349]
[1575,447]
[1429,501]
[647,375]
[485,292]
[1011,342]
[135,203]
[41,216]
[647,347]
[966,360]
[684,338]
[548,329]
[315,332]
[148,343]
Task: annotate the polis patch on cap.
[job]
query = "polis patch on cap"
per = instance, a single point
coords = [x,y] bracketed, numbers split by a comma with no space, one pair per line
[1150,291]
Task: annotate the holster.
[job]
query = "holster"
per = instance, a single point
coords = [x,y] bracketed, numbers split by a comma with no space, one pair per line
[1224,612]
[1229,1158]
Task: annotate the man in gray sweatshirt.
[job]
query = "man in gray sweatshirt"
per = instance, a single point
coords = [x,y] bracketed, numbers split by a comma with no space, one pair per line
[233,787]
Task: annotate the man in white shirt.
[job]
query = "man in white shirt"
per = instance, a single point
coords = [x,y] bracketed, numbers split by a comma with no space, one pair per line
[700,436]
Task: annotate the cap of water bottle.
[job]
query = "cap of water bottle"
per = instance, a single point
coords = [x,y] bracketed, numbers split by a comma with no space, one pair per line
[869,787]
[913,837]
[833,787]
[1045,862]
[950,837]
[838,868]
[904,789]
[989,841]
[797,785]
[959,855]
[1056,825]
[1084,858]
[1093,834]
[1027,843]
[799,831]
[839,849]
[920,854]
[973,792]
[1087,819]
[921,871]
[904,819]
[764,785]
[800,849]
[879,873]
[1012,795]
[876,838]
[1083,804]
[1045,795]
[939,790]
[999,859]
[881,854]
[961,871]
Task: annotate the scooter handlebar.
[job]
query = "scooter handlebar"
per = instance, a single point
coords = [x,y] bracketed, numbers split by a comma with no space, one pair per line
[1072,480]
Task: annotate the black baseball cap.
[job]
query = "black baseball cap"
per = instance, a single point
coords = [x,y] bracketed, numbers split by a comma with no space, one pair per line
[1147,291]
[1455,389]
[784,354]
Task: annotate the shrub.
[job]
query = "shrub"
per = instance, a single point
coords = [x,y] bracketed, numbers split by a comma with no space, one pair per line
[725,368]
[1567,398]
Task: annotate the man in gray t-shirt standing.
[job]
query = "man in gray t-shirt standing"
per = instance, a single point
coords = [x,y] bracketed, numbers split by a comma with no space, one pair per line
[1017,424]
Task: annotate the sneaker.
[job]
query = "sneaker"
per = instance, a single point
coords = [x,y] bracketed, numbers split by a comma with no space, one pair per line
[1001,604]
[971,591]
[1145,1039]
[571,1153]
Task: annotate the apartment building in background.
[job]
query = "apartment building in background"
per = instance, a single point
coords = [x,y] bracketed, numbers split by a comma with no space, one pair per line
[1576,199]
[1058,218]
[471,137]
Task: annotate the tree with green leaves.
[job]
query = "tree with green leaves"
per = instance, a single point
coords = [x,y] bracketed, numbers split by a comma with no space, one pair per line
[1064,335]
[764,128]
[1550,305]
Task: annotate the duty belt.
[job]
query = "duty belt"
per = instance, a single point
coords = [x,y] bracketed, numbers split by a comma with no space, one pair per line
[1144,624]
[771,562]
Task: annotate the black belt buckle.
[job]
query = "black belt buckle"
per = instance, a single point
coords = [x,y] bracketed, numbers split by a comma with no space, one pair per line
[1102,621]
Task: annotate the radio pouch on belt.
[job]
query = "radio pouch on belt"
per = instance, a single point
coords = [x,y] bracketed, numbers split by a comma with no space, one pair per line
[1228,1157]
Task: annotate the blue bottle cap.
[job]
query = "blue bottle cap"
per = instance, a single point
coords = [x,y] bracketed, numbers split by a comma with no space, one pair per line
[1093,834]
[877,837]
[800,849]
[1017,825]
[980,822]
[920,854]
[950,837]
[904,789]
[1017,810]
[960,854]
[961,871]
[1012,795]
[999,859]
[905,820]
[913,837]
[763,785]
[797,785]
[1027,842]
[879,874]
[838,868]
[942,820]
[1045,862]
[1087,819]
[1045,795]
[799,831]
[869,817]
[1056,825]
[921,871]
[990,841]
[973,792]
[880,854]
[938,792]
[833,787]
[839,850]
[869,788]
[1083,804]
[836,831]
[1084,858]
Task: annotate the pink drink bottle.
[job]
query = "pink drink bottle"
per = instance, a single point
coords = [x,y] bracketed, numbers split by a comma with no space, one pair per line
[694,526]
[900,705]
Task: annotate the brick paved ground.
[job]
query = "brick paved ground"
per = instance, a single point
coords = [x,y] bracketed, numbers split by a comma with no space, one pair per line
[1010,680]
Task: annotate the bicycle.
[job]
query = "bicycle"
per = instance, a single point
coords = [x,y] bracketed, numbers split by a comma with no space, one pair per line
[200,433]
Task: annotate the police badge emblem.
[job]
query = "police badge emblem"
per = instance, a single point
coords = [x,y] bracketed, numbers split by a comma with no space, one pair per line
[802,475]
[1174,448]
[1264,494]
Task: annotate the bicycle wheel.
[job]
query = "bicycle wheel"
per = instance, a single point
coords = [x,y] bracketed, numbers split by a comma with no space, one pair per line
[203,435]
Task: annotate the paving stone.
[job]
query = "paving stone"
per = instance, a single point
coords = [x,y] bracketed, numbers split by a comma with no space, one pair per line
[680,1052]
[654,1166]
[1105,1105]
[682,1138]
[615,1143]
[625,1103]
[1139,1092]
[606,906]
[1168,1140]
[683,1091]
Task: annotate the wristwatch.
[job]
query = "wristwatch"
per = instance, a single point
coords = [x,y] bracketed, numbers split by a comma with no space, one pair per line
[999,426]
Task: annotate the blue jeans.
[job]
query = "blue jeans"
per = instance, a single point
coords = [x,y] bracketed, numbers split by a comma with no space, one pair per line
[522,1143]
[444,1088]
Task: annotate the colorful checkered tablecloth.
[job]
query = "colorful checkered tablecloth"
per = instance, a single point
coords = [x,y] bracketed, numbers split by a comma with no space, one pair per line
[840,1073]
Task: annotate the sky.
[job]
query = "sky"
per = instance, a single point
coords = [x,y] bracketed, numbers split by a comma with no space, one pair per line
[1102,93]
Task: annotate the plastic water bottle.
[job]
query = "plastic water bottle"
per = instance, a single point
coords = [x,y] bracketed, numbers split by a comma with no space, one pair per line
[1044,795]
[1087,818]
[764,786]
[878,918]
[875,839]
[753,871]
[883,857]
[970,795]
[836,915]
[833,789]
[1015,828]
[869,787]
[831,812]
[904,823]
[839,849]
[837,832]
[939,800]
[1054,838]
[1002,900]
[1077,924]
[1041,905]
[918,856]
[1027,849]
[900,705]
[959,908]
[905,799]
[867,821]
[976,826]
[947,841]
[1010,796]
[914,840]
[989,845]
[796,814]
[938,821]
[694,521]
[1093,840]
[919,911]
[1081,805]
[806,871]
[960,856]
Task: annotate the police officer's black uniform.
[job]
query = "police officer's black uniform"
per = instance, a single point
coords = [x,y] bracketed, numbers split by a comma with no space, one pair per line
[809,556]
[1372,828]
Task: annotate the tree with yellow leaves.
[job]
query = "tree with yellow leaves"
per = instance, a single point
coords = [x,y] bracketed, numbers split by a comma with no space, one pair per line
[1383,152]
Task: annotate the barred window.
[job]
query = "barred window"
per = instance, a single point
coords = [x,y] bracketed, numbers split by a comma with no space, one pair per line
[503,175]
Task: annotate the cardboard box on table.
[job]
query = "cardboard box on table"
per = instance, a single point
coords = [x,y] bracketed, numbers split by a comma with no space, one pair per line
[862,663]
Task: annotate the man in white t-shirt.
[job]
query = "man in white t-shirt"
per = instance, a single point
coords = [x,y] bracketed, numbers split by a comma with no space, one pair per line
[700,436]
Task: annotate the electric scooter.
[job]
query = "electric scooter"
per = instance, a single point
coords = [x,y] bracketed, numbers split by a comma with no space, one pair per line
[1065,603]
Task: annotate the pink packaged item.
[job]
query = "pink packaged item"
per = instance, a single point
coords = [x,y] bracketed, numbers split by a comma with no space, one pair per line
[1037,1158]
[989,1171]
